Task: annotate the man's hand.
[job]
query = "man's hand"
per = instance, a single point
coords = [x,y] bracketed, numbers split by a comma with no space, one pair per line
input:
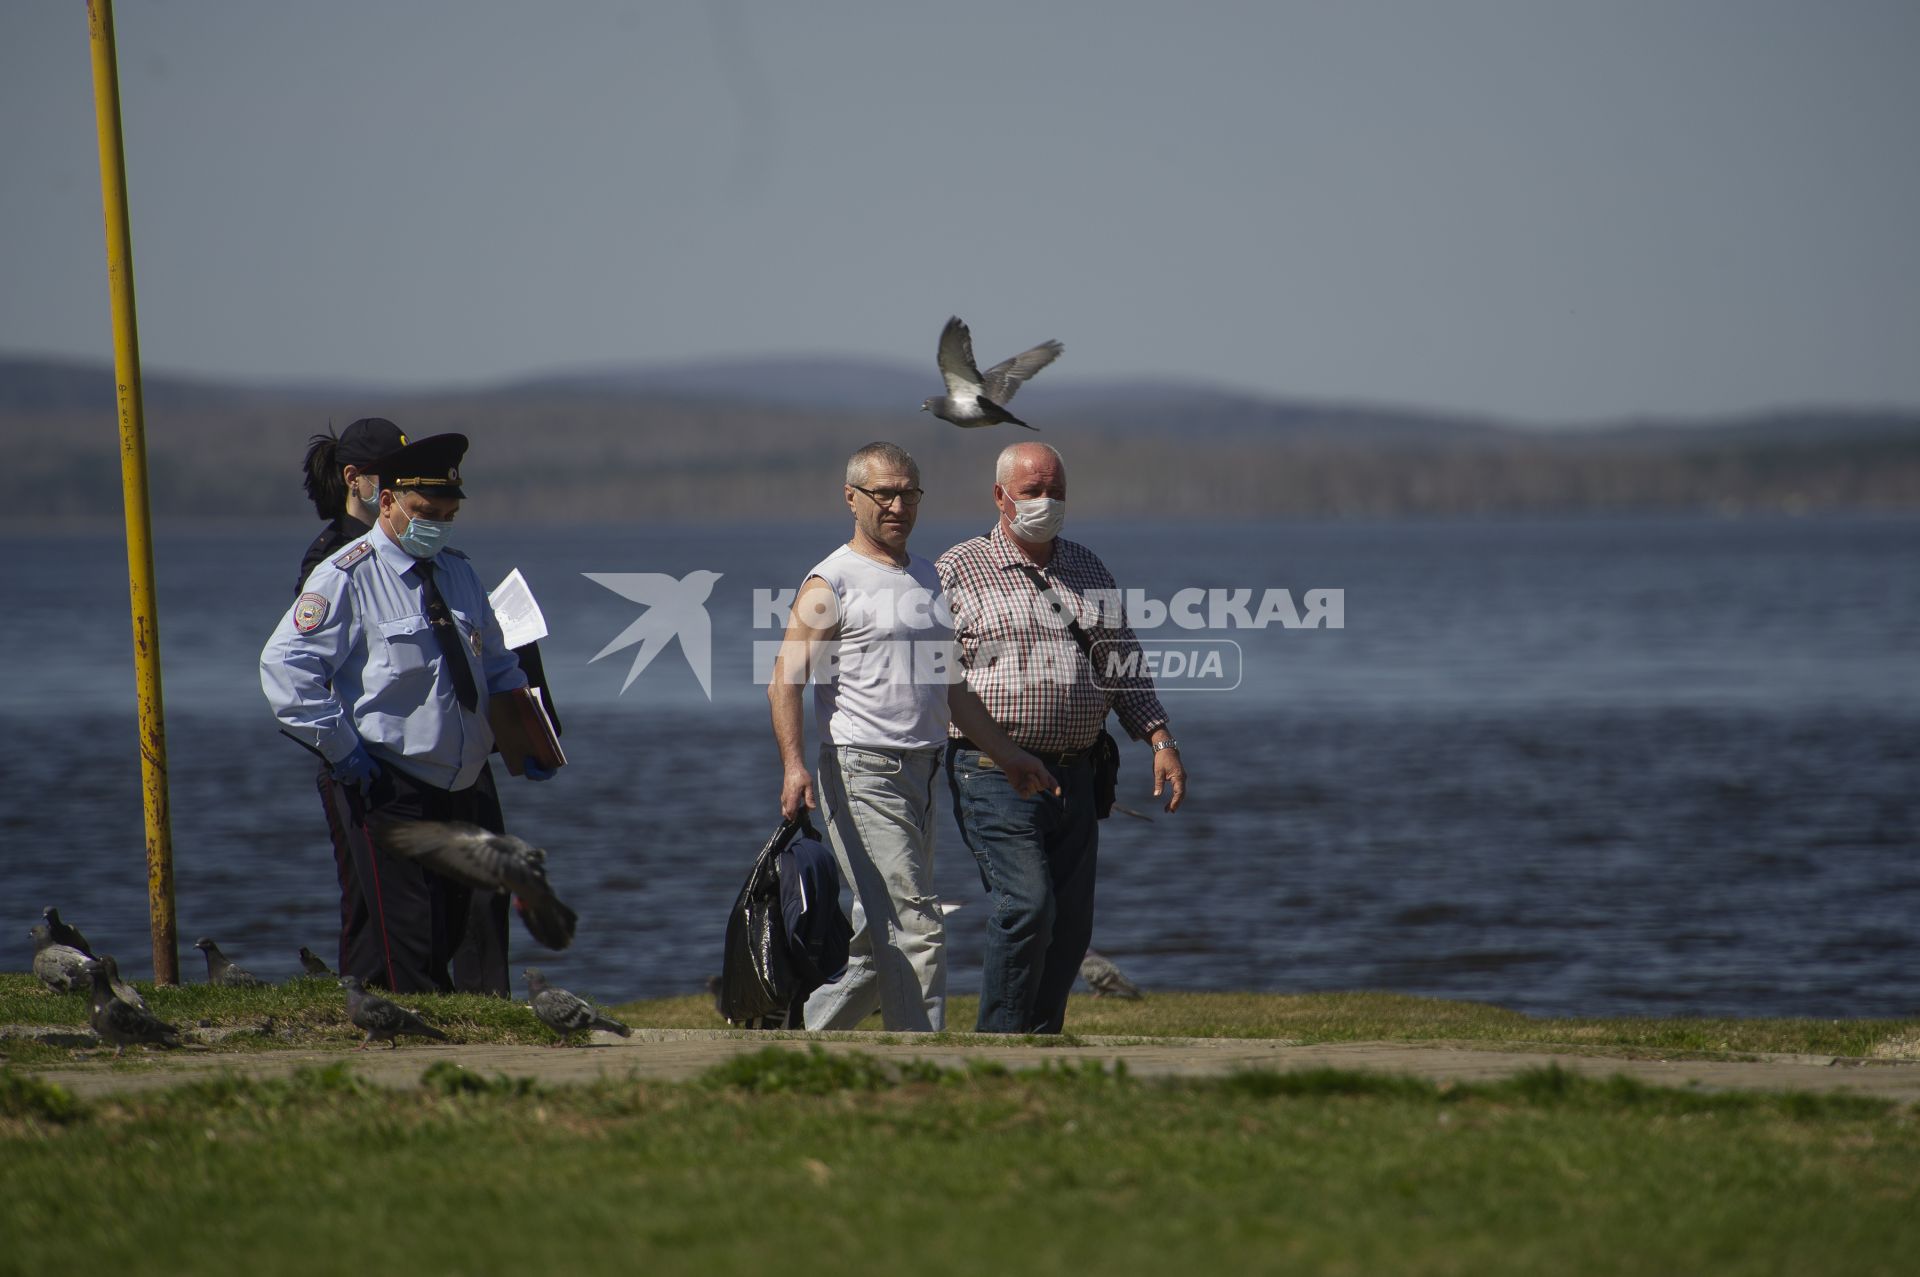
[796,793]
[1029,776]
[356,768]
[534,771]
[1169,775]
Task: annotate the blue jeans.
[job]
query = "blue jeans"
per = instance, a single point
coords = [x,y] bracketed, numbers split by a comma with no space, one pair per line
[1037,858]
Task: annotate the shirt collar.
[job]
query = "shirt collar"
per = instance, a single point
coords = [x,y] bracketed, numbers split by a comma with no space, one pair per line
[1005,554]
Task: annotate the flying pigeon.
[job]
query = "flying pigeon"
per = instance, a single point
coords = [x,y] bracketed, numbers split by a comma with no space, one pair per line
[564,1013]
[491,862]
[1105,979]
[121,989]
[313,964]
[64,933]
[121,1023]
[60,967]
[383,1020]
[224,973]
[973,400]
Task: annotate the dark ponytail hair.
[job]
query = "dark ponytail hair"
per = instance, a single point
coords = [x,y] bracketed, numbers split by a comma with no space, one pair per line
[325,488]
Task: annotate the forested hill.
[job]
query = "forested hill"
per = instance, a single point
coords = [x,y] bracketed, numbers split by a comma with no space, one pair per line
[763,439]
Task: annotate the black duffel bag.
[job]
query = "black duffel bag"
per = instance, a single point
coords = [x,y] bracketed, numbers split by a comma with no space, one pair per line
[787,934]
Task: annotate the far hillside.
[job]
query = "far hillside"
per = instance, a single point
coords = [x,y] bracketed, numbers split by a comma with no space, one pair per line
[759,439]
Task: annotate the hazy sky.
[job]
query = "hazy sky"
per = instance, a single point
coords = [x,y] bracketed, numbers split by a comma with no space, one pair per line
[1548,210]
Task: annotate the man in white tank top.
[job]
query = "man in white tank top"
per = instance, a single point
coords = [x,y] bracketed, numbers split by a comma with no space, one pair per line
[871,628]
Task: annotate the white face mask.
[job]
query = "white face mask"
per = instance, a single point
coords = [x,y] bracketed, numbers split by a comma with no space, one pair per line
[1039,519]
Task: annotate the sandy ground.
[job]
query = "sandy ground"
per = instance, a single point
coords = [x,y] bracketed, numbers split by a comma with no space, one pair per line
[678,1054]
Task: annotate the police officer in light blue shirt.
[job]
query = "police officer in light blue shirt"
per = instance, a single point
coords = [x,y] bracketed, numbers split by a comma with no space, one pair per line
[385,664]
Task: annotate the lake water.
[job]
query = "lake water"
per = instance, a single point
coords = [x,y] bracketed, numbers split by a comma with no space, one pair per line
[1574,766]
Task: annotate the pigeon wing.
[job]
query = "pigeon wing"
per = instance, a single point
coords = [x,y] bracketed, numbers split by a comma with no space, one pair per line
[492,862]
[233,977]
[1003,379]
[465,853]
[122,1022]
[60,968]
[66,933]
[386,1019]
[121,989]
[962,375]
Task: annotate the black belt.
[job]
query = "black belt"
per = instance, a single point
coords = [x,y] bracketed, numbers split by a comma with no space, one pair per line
[1066,758]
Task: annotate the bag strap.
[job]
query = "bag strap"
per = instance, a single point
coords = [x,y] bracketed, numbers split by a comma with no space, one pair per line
[1060,609]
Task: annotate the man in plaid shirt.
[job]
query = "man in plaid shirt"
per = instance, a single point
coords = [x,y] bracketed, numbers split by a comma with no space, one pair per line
[1037,853]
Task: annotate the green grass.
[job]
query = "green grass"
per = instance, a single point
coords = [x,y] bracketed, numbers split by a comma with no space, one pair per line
[313,1013]
[850,1164]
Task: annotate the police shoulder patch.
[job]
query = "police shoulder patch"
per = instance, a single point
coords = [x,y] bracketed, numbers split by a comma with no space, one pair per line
[308,611]
[353,556]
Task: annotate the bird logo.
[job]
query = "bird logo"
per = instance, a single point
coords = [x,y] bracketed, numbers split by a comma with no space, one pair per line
[676,608]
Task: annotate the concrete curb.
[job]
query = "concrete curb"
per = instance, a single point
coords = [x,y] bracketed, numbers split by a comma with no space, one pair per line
[680,1054]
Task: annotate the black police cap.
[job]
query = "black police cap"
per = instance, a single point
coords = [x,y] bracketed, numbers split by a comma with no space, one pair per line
[429,466]
[366,441]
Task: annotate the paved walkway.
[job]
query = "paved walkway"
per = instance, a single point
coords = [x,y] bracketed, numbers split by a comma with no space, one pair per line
[678,1054]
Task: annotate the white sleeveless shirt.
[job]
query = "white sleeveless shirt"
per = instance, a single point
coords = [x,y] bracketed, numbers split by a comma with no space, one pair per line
[884,685]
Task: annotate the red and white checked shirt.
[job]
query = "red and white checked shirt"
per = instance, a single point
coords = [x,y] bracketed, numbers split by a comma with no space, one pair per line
[1023,663]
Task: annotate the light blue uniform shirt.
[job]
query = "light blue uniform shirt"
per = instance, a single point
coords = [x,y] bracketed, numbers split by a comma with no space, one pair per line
[354,660]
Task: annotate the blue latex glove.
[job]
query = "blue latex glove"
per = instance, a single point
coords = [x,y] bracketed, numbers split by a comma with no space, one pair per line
[534,771]
[356,768]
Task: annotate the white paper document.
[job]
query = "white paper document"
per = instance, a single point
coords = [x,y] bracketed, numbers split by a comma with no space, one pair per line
[520,620]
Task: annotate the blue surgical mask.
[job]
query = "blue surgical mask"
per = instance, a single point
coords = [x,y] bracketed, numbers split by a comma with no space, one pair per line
[424,537]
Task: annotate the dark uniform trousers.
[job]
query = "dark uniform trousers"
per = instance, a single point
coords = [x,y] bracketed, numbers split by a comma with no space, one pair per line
[403,927]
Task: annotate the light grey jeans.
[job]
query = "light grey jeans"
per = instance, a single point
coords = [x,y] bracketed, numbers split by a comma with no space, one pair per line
[879,810]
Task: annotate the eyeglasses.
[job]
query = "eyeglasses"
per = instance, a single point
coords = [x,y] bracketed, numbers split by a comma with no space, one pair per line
[907,497]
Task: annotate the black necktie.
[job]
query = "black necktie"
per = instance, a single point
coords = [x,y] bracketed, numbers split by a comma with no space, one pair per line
[449,636]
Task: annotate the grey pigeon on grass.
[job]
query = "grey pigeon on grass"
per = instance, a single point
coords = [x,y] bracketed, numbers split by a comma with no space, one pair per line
[1105,979]
[60,967]
[473,857]
[312,963]
[383,1020]
[566,1014]
[122,1024]
[65,934]
[973,399]
[222,972]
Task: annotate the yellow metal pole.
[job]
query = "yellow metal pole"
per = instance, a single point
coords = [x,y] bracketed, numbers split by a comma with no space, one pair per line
[133,481]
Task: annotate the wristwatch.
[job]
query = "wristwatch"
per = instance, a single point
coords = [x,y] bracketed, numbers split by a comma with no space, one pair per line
[1168,743]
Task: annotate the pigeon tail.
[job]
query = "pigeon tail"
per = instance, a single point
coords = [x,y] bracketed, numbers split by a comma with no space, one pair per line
[611,1025]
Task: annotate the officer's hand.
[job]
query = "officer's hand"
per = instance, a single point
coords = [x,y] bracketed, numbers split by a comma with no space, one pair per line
[534,771]
[1168,774]
[356,768]
[1029,776]
[796,793]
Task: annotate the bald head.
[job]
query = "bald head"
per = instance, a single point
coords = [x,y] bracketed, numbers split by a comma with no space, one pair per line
[1017,457]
